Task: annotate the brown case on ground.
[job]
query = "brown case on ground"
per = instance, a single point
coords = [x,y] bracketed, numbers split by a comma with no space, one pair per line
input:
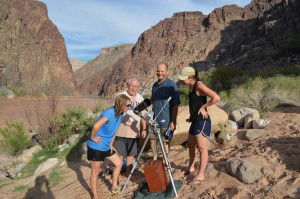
[156,176]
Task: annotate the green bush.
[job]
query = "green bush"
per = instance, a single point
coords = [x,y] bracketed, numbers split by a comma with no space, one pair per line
[184,95]
[55,177]
[14,138]
[265,94]
[36,160]
[227,77]
[73,121]
[99,108]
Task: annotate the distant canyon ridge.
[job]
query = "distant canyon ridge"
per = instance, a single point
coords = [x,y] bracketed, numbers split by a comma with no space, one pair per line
[33,52]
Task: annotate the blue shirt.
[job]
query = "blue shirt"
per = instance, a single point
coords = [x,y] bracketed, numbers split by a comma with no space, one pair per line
[160,94]
[107,131]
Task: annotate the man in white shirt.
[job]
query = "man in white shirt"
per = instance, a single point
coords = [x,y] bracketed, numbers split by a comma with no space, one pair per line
[131,127]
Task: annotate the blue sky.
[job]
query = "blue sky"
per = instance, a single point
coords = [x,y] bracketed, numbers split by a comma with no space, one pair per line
[89,25]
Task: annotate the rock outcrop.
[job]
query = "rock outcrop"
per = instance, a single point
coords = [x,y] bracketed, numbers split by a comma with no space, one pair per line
[32,51]
[76,64]
[103,63]
[228,35]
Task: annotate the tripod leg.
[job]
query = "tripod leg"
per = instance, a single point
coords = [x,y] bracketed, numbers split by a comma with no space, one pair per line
[166,161]
[155,153]
[136,161]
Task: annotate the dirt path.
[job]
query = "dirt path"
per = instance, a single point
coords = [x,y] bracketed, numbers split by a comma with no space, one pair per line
[277,152]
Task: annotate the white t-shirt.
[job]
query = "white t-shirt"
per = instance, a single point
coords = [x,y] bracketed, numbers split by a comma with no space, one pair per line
[130,124]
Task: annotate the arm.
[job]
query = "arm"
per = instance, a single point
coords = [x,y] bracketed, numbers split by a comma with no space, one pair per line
[202,88]
[143,128]
[176,102]
[96,128]
[174,118]
[112,148]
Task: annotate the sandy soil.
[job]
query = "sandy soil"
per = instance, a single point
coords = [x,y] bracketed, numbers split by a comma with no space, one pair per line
[277,152]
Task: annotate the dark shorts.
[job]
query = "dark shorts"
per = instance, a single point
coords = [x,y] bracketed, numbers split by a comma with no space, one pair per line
[200,126]
[126,146]
[96,155]
[163,135]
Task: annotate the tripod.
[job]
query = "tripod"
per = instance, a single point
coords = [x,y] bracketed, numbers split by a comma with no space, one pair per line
[154,128]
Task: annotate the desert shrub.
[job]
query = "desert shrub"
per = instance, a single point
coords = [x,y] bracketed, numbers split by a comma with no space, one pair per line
[184,95]
[265,94]
[222,75]
[73,121]
[292,45]
[206,78]
[99,108]
[36,160]
[55,177]
[14,138]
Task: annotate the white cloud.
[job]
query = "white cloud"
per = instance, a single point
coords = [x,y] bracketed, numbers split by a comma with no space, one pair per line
[95,24]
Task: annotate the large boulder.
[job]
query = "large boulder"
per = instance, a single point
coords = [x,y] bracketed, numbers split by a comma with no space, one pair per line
[27,154]
[252,134]
[73,139]
[260,123]
[246,171]
[238,115]
[248,120]
[231,124]
[217,116]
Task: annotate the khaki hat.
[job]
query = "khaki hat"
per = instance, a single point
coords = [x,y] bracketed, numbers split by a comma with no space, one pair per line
[186,72]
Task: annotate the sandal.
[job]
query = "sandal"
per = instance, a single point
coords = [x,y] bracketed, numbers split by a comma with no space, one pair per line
[115,191]
[195,182]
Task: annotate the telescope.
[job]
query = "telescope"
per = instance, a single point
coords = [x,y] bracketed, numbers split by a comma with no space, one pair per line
[142,106]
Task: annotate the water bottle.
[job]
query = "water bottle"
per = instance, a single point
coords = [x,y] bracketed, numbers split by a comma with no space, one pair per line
[169,134]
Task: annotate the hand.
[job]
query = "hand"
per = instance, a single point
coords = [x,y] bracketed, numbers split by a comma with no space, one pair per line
[112,148]
[96,139]
[172,126]
[203,112]
[143,133]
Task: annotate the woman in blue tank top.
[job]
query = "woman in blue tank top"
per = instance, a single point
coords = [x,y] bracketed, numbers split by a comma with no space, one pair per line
[201,125]
[100,144]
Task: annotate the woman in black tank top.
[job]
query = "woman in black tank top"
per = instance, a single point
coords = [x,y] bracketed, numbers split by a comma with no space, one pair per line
[201,125]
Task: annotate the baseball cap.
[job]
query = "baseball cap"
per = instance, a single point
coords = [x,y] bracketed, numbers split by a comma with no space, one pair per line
[186,72]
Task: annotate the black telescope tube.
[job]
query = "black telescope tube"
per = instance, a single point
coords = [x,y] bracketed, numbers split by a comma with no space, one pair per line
[142,106]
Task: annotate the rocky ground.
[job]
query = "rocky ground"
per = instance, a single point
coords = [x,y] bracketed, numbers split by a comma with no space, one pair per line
[272,160]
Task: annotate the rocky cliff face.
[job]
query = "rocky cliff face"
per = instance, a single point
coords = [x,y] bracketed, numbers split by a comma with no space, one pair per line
[32,51]
[76,64]
[228,35]
[104,62]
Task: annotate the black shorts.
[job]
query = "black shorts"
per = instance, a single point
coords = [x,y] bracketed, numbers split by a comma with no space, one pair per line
[202,126]
[126,146]
[96,155]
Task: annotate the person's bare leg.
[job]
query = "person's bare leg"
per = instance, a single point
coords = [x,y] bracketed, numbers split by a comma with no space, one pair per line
[203,149]
[192,152]
[96,165]
[129,163]
[167,147]
[153,149]
[115,159]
